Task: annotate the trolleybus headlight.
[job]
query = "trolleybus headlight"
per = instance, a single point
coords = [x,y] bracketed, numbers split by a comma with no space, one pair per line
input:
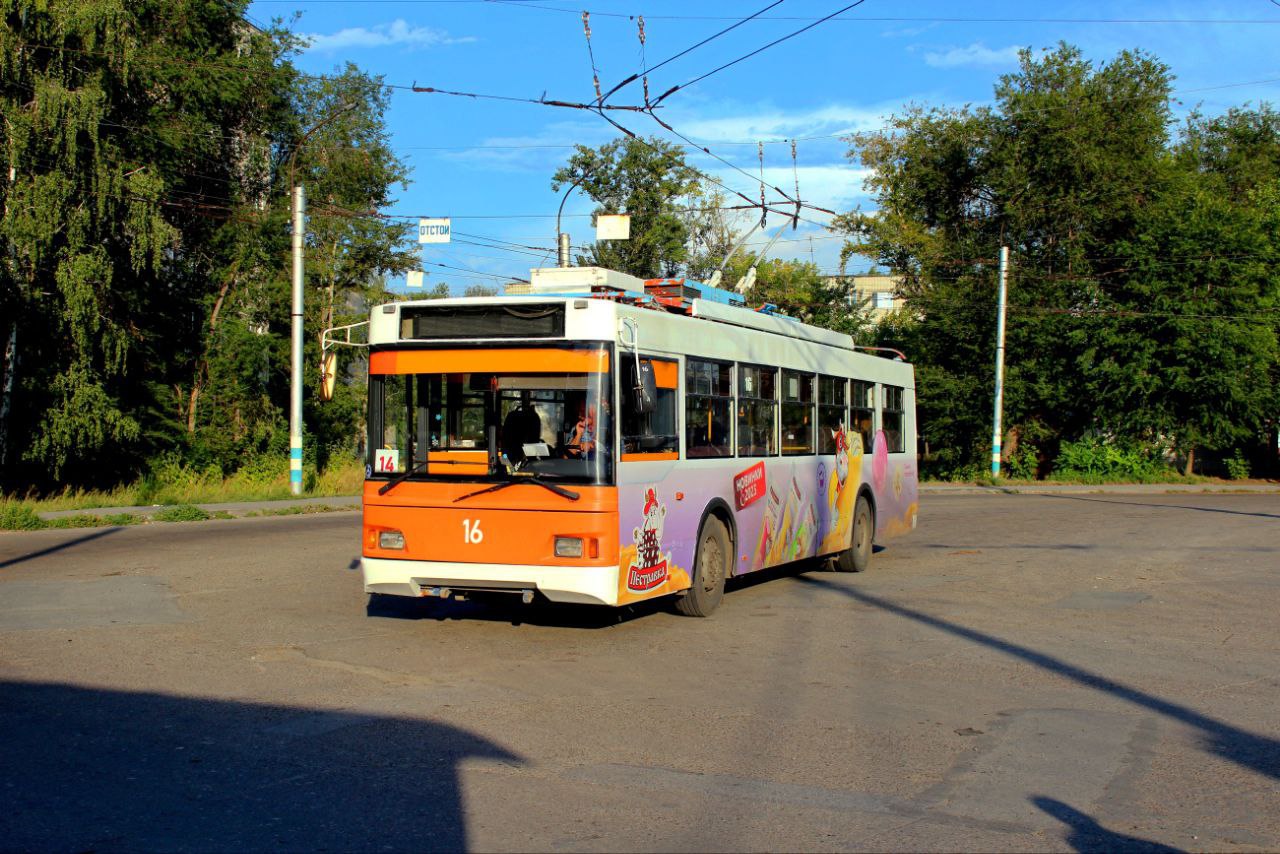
[390,540]
[568,547]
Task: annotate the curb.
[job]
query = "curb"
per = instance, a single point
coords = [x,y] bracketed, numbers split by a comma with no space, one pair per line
[349,503]
[1100,489]
[235,509]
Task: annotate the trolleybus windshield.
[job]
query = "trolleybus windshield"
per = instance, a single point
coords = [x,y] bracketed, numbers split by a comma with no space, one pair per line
[489,415]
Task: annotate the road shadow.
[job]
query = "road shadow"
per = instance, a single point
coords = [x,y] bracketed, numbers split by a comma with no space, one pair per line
[88,769]
[1158,506]
[57,547]
[1085,547]
[1256,752]
[1014,546]
[507,608]
[1087,835]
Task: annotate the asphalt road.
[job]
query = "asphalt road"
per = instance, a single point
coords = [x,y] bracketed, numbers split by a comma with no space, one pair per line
[1022,673]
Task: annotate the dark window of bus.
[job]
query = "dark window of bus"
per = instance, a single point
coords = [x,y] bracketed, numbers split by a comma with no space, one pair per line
[708,409]
[862,409]
[893,419]
[797,413]
[451,411]
[649,432]
[831,414]
[757,418]
[390,442]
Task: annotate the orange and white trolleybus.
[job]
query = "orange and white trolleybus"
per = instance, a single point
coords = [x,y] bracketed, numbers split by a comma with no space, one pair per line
[605,440]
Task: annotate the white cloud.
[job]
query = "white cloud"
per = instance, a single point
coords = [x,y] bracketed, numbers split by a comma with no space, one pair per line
[976,54]
[398,32]
[770,122]
[834,186]
[542,152]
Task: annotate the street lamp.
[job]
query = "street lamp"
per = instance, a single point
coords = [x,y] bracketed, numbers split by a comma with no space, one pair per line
[562,239]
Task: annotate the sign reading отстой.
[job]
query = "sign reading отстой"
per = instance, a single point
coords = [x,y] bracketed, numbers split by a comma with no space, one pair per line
[433,230]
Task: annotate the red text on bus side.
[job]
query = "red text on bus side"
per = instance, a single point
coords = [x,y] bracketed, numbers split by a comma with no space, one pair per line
[642,578]
[749,486]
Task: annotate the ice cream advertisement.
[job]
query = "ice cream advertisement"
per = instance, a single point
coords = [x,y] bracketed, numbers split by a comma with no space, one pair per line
[783,509]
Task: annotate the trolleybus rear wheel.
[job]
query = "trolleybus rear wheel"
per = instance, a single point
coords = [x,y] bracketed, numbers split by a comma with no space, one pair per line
[858,556]
[710,567]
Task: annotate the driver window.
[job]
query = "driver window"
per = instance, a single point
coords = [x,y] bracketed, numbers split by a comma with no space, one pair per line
[650,432]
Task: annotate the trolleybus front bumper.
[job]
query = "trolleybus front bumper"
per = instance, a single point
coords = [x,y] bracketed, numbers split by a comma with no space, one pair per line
[585,585]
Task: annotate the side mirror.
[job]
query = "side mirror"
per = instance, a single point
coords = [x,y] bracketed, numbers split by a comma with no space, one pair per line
[328,375]
[644,397]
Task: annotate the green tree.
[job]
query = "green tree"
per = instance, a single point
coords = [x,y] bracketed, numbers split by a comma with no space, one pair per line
[799,290]
[713,232]
[1239,152]
[125,129]
[1194,310]
[144,251]
[1240,149]
[649,180]
[1071,168]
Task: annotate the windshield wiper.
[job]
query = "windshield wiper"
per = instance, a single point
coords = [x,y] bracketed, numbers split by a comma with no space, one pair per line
[418,468]
[527,478]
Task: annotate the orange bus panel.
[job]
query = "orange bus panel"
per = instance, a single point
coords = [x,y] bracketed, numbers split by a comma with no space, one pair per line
[517,525]
[545,360]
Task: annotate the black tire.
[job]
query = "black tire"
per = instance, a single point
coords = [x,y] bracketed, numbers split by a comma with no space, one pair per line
[857,557]
[710,566]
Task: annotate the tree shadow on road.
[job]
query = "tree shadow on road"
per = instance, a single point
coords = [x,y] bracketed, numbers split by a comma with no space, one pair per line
[57,547]
[1087,835]
[85,769]
[1256,752]
[1159,506]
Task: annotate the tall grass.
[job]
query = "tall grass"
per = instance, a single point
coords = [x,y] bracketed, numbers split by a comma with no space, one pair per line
[178,484]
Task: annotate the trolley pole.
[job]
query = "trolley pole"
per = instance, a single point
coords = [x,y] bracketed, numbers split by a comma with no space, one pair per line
[999,405]
[295,389]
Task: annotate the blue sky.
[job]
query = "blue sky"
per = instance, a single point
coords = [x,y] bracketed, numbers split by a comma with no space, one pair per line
[488,164]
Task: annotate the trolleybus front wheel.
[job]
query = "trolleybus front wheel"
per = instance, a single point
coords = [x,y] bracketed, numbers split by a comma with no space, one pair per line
[709,571]
[858,556]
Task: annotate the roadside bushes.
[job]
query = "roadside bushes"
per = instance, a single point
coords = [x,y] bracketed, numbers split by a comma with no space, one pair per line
[1092,460]
[18,516]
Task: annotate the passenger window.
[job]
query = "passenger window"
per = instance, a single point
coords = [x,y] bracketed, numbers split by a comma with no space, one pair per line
[757,418]
[862,409]
[708,409]
[893,417]
[831,413]
[650,432]
[797,413]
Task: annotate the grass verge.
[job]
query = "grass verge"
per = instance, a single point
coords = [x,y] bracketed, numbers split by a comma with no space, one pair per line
[19,516]
[296,510]
[193,487]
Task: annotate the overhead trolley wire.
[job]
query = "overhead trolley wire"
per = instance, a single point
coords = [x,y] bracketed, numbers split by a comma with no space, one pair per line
[689,49]
[890,19]
[758,50]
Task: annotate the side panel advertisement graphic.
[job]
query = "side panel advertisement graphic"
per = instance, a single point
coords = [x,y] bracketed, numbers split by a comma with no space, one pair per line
[785,509]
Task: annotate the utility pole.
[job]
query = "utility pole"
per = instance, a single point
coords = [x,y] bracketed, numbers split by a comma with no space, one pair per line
[10,368]
[562,254]
[299,235]
[295,388]
[999,407]
[10,361]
